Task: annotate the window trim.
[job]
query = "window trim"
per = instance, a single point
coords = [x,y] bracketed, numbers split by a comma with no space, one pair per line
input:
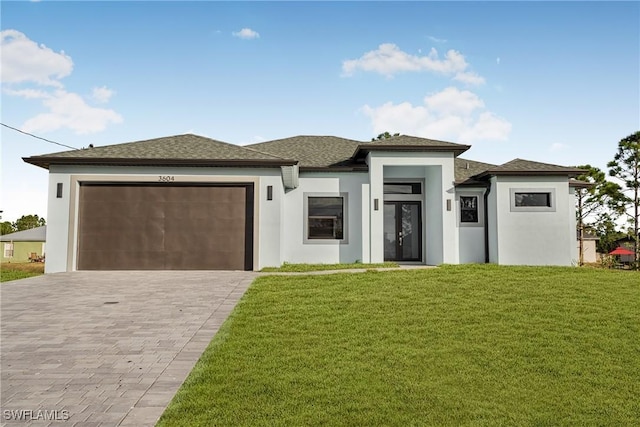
[345,220]
[404,182]
[480,206]
[550,191]
[9,250]
[388,197]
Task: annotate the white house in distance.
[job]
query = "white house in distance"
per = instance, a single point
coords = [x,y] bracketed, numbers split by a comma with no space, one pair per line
[189,202]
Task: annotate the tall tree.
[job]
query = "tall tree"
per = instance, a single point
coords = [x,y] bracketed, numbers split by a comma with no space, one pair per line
[626,167]
[385,135]
[606,230]
[26,222]
[7,227]
[595,201]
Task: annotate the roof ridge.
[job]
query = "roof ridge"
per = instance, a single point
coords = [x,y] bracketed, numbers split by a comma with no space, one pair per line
[305,136]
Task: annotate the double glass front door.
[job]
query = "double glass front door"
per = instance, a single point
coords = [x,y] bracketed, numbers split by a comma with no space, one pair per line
[402,231]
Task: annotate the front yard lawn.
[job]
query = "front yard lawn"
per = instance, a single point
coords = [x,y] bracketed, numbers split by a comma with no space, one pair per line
[15,271]
[457,345]
[303,268]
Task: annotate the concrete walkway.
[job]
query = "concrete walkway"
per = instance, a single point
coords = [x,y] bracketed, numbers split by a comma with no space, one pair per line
[351,270]
[106,348]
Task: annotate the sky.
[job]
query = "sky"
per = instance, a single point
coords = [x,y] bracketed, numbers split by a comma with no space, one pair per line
[556,82]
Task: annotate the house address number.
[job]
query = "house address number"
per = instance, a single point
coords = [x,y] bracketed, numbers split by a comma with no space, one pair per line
[166,178]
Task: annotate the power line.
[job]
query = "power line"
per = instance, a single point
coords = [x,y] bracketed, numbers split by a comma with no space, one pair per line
[39,137]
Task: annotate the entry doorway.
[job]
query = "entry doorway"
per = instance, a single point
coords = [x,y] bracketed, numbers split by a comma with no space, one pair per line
[403,231]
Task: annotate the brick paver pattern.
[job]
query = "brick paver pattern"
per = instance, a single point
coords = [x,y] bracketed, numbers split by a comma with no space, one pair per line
[106,348]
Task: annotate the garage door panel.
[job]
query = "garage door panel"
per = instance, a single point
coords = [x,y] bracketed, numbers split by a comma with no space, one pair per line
[124,260]
[151,227]
[183,261]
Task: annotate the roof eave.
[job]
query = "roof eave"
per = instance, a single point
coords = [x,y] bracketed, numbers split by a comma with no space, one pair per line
[45,162]
[356,168]
[580,184]
[471,183]
[363,149]
[568,173]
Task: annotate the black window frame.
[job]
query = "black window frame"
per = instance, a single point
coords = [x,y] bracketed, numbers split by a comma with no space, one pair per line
[475,219]
[414,187]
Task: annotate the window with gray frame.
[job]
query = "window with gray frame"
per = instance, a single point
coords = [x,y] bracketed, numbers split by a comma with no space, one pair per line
[533,199]
[325,218]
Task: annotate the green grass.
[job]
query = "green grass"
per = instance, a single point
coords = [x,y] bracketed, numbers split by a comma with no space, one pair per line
[303,268]
[457,345]
[16,271]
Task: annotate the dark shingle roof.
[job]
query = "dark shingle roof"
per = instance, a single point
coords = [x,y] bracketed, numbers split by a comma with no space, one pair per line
[178,149]
[37,234]
[528,167]
[409,143]
[465,169]
[309,152]
[312,151]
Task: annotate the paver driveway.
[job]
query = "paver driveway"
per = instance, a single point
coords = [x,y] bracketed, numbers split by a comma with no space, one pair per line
[106,348]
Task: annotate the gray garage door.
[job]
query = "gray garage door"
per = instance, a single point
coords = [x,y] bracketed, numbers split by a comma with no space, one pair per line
[165,227]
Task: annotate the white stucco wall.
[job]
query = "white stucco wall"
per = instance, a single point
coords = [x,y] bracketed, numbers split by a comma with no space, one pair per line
[298,250]
[534,238]
[58,223]
[573,225]
[439,225]
[62,213]
[471,236]
[492,222]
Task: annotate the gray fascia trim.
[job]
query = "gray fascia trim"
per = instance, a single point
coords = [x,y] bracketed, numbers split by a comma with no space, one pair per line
[45,162]
[567,173]
[581,184]
[359,168]
[366,148]
[471,183]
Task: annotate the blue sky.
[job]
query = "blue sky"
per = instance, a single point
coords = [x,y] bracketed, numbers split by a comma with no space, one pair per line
[546,81]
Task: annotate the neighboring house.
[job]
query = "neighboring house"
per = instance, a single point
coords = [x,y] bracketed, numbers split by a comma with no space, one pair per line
[627,243]
[189,202]
[18,246]
[589,246]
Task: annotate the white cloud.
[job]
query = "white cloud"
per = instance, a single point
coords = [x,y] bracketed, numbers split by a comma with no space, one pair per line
[102,94]
[453,101]
[487,127]
[437,40]
[389,59]
[23,60]
[470,78]
[557,146]
[25,63]
[498,60]
[246,33]
[451,114]
[27,93]
[68,110]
